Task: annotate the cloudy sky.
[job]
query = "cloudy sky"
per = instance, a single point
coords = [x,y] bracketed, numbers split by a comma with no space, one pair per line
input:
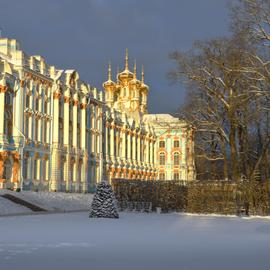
[86,34]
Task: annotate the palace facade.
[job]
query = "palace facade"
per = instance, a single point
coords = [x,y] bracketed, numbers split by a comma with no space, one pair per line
[58,133]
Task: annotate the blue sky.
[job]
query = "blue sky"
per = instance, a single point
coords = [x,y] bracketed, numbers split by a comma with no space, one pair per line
[86,34]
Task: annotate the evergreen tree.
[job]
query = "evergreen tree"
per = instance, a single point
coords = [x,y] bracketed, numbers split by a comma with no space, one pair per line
[104,202]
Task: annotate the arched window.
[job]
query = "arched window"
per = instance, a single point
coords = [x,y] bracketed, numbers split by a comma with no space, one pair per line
[8,121]
[36,129]
[60,107]
[176,158]
[25,167]
[26,126]
[37,101]
[27,101]
[8,98]
[70,112]
[36,169]
[45,106]
[162,158]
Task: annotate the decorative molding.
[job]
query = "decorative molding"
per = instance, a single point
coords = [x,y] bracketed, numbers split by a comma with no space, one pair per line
[83,106]
[22,83]
[75,102]
[56,95]
[67,99]
[3,89]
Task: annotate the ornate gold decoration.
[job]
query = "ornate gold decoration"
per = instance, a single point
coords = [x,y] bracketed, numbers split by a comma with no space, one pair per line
[66,99]
[56,95]
[3,89]
[83,106]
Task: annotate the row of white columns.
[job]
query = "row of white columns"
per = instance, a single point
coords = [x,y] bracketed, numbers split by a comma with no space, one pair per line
[79,172]
[135,145]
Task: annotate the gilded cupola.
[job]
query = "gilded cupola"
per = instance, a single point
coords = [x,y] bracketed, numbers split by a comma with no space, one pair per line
[125,75]
[109,84]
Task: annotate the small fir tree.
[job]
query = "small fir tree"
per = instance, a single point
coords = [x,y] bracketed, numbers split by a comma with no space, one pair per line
[104,202]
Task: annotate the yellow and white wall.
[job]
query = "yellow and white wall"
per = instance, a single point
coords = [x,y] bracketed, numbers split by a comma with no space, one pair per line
[57,133]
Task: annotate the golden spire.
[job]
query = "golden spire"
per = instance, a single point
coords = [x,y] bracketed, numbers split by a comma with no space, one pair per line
[109,72]
[126,60]
[135,70]
[142,74]
[118,71]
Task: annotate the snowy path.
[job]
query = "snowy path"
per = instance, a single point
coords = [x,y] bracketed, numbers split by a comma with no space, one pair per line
[134,242]
[51,201]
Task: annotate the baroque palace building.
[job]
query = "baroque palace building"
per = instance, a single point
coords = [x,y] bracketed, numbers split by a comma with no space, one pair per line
[58,133]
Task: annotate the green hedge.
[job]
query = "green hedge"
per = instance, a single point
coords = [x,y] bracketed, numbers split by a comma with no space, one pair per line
[258,196]
[212,197]
[169,195]
[220,197]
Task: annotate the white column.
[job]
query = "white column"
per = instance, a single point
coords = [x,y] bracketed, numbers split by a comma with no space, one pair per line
[54,186]
[123,154]
[83,125]
[155,152]
[100,128]
[28,171]
[66,120]
[39,169]
[66,141]
[151,152]
[98,142]
[2,107]
[134,148]
[169,151]
[112,141]
[75,115]
[107,138]
[147,150]
[40,127]
[56,117]
[84,166]
[139,148]
[129,145]
[19,112]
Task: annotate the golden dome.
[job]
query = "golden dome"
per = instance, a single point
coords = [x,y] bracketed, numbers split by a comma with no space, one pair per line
[144,86]
[109,83]
[125,74]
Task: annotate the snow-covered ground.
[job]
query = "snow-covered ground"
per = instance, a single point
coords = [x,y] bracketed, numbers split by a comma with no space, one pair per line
[51,201]
[9,208]
[135,241]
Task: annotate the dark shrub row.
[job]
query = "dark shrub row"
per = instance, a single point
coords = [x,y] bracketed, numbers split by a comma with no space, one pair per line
[221,197]
[212,197]
[258,196]
[169,195]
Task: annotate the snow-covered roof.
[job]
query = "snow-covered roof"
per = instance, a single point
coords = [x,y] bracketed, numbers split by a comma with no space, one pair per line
[160,118]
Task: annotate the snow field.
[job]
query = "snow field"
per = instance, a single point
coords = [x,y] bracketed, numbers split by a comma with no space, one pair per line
[134,241]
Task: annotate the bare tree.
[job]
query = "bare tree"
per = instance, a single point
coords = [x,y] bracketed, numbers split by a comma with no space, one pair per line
[223,94]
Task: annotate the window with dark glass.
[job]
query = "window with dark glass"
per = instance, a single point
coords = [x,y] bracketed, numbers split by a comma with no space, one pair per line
[176,143]
[161,144]
[176,159]
[162,176]
[162,158]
